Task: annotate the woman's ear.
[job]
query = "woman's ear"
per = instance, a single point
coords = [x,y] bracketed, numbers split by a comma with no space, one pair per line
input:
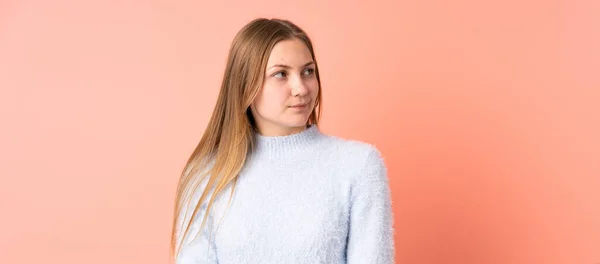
[252,107]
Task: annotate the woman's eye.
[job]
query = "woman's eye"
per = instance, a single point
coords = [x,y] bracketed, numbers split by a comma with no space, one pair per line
[280,75]
[309,71]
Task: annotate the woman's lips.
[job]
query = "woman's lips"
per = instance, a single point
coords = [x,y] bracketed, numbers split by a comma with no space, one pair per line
[298,106]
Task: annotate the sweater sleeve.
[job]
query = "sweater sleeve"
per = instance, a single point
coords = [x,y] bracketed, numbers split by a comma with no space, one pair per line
[197,248]
[371,232]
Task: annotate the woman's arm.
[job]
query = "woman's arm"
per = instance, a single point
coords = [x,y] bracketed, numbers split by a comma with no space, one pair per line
[371,233]
[197,248]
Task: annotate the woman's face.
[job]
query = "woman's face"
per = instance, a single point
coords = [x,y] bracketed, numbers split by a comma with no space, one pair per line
[289,90]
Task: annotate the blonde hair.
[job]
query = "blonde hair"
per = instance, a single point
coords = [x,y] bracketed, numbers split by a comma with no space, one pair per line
[229,136]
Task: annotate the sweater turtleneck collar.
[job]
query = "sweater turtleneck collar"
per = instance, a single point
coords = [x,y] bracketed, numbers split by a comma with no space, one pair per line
[279,146]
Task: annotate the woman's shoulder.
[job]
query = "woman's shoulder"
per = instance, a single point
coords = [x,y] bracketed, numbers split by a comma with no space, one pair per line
[354,146]
[353,152]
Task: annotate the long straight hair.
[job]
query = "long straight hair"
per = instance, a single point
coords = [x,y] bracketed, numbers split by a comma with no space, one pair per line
[229,136]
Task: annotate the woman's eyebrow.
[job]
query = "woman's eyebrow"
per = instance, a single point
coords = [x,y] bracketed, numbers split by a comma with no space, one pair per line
[288,67]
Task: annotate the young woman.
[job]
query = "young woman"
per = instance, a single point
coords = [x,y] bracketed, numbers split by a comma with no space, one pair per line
[264,185]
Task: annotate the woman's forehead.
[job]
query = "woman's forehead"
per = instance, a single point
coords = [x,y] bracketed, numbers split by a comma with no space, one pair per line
[291,53]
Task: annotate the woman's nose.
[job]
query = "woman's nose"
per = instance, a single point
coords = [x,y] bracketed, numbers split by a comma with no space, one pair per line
[299,87]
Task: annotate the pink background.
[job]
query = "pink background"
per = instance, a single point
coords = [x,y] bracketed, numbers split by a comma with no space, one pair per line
[487,113]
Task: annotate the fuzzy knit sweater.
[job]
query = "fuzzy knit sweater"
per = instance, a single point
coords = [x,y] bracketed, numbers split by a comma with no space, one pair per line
[303,198]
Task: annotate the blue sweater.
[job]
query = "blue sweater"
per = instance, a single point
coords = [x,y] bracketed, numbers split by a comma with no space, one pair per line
[301,198]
